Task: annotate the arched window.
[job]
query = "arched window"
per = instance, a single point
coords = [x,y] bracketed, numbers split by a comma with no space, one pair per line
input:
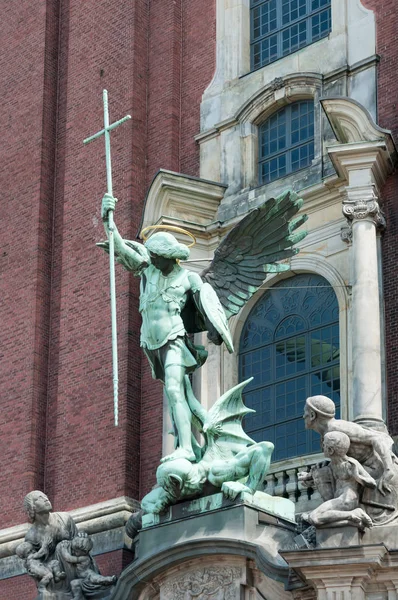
[286,141]
[280,27]
[290,345]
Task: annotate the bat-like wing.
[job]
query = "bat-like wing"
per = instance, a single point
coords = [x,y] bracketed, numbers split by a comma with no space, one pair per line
[223,425]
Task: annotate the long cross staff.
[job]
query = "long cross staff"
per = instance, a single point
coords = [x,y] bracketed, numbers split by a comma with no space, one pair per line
[106,132]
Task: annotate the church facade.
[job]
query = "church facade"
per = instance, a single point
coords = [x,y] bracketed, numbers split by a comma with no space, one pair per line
[231,103]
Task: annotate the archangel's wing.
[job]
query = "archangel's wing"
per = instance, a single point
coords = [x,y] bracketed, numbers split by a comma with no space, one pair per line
[223,425]
[252,248]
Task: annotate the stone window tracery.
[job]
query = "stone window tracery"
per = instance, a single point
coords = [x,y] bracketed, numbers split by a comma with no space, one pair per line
[290,345]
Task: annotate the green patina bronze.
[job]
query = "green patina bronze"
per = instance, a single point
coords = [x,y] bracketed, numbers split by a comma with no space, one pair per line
[176,302]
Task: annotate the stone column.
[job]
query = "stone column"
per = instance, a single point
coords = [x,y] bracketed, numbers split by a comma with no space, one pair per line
[362,209]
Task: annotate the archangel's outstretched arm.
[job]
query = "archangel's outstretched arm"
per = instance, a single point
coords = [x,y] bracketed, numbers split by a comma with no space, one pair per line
[132,255]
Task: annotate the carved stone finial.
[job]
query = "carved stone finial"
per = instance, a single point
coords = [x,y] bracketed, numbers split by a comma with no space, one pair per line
[362,203]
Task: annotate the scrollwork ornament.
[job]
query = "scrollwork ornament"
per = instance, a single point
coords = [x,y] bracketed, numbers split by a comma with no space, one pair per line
[364,209]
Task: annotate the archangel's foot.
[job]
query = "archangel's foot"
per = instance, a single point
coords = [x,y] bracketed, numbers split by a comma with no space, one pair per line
[180,453]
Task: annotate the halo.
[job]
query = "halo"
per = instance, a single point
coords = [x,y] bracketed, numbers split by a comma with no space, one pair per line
[169,228]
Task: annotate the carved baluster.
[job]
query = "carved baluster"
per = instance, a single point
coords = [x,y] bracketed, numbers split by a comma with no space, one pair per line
[291,490]
[270,483]
[279,484]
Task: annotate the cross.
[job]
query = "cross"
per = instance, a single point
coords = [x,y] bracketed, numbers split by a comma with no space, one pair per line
[106,132]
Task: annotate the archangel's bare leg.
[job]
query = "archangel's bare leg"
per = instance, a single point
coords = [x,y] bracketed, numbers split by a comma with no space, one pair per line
[180,412]
[194,404]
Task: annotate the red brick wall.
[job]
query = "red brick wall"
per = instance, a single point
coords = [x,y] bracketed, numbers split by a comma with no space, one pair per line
[156,59]
[387,93]
[88,459]
[18,588]
[28,64]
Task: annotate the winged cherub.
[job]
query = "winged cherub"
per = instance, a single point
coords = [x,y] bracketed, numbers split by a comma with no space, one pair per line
[175,302]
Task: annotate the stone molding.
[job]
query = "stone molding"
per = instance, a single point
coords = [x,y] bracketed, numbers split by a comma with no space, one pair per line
[280,91]
[95,518]
[183,197]
[338,572]
[352,122]
[363,145]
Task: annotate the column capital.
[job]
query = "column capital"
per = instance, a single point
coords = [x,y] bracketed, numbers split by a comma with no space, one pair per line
[362,203]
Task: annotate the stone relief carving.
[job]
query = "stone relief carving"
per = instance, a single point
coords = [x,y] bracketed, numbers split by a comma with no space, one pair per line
[58,557]
[346,233]
[209,583]
[359,485]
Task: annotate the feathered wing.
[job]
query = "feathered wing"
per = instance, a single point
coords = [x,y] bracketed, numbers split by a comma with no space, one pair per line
[252,248]
[223,425]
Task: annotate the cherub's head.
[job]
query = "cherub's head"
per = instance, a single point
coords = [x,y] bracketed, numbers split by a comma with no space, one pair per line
[81,545]
[36,502]
[335,443]
[24,549]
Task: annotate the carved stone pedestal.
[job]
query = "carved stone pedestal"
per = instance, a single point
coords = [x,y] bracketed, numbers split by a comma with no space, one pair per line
[213,549]
[59,595]
[54,596]
[349,565]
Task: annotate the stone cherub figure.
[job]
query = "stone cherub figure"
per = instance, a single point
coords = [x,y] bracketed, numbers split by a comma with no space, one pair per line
[368,448]
[45,553]
[175,302]
[43,573]
[348,476]
[88,579]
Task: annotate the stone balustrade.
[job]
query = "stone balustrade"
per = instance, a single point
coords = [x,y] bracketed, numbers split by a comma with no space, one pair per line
[282,480]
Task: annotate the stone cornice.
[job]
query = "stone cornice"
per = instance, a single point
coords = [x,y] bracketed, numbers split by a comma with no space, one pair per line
[362,144]
[371,155]
[351,122]
[183,197]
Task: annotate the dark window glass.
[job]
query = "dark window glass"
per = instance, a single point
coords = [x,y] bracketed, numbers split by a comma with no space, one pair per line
[286,141]
[290,345]
[280,27]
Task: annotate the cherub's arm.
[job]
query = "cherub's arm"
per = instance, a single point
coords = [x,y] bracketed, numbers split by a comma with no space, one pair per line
[66,555]
[43,551]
